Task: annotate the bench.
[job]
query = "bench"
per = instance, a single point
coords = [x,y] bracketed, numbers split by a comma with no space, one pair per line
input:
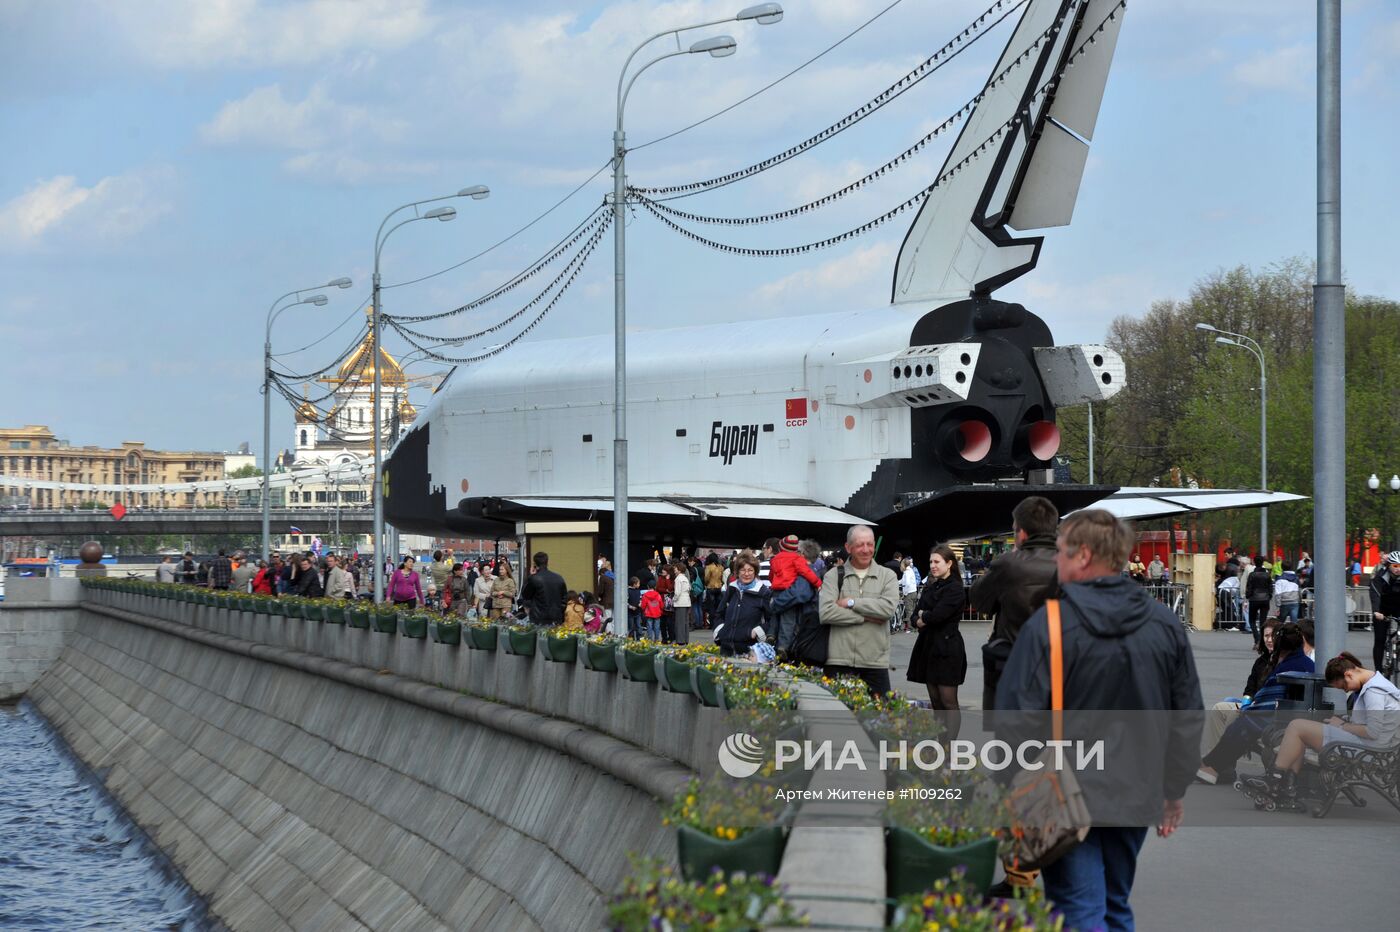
[1342,768]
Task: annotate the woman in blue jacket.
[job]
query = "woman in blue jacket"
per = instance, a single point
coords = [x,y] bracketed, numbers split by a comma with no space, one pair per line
[1289,657]
[744,611]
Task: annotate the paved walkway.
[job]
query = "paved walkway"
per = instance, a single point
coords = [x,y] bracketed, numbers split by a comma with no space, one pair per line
[1295,872]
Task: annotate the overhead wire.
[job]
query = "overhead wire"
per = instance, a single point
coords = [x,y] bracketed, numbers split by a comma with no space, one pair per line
[1010,124]
[501,242]
[563,273]
[950,50]
[554,252]
[961,114]
[581,262]
[772,84]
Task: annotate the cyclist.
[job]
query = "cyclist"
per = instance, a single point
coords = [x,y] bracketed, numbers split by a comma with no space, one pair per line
[1385,602]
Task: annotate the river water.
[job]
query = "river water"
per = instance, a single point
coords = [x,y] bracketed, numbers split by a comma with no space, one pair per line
[69,857]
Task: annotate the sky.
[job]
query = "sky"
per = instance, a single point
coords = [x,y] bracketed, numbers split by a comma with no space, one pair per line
[172,167]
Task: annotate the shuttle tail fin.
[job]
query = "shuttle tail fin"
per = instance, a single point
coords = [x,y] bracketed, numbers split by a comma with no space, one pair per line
[1025,177]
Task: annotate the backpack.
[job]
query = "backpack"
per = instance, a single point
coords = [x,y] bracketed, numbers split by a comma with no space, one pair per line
[811,639]
[697,586]
[668,604]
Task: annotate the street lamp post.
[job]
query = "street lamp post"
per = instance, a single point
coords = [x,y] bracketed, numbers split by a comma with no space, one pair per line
[272,312]
[1252,346]
[476,193]
[718,47]
[1374,484]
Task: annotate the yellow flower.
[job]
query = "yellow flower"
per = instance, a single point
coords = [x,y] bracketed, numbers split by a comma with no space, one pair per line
[719,891]
[733,834]
[928,900]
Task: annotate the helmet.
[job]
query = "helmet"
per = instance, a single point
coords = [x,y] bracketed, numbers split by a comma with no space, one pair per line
[1393,558]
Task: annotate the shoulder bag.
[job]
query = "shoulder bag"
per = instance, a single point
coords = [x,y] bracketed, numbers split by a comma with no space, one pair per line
[1047,812]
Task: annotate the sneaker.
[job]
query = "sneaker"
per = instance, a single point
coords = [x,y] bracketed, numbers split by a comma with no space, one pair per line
[1205,776]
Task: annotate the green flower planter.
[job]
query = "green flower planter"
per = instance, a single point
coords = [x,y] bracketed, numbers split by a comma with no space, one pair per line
[385,622]
[413,626]
[674,675]
[707,687]
[640,665]
[310,612]
[559,650]
[520,643]
[601,657]
[260,607]
[357,618]
[758,852]
[912,864]
[482,638]
[446,632]
[333,614]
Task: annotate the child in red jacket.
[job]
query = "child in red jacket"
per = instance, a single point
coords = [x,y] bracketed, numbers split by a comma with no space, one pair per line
[652,606]
[787,564]
[784,569]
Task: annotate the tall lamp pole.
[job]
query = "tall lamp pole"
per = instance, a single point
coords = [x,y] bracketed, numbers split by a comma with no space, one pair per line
[719,47]
[475,192]
[1374,484]
[1253,347]
[272,312]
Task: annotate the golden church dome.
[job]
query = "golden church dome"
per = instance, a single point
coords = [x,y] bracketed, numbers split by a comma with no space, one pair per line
[407,412]
[361,363]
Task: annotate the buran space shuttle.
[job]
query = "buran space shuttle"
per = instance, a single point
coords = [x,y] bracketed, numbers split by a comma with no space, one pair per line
[928,417]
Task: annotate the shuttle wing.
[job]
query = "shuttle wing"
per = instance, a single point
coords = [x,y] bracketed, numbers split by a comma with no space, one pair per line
[1132,503]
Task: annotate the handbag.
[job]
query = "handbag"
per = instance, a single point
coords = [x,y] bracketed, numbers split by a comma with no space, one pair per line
[1048,815]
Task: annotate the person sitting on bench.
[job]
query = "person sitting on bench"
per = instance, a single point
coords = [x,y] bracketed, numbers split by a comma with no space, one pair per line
[1375,717]
[1243,734]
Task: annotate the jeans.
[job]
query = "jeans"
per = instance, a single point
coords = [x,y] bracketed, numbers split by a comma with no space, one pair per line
[1288,611]
[653,629]
[1090,885]
[697,613]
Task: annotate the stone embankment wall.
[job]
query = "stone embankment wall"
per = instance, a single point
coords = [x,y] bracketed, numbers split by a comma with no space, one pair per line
[37,618]
[312,776]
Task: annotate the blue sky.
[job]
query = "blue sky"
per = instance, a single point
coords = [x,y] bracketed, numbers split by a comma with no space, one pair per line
[171,167]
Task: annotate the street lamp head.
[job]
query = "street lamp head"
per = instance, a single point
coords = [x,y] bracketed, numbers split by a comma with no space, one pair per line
[765,14]
[317,299]
[1206,327]
[476,192]
[1226,341]
[339,283]
[1395,483]
[441,213]
[1373,483]
[719,46]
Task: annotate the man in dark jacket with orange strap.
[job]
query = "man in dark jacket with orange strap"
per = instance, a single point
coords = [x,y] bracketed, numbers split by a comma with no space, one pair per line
[1124,651]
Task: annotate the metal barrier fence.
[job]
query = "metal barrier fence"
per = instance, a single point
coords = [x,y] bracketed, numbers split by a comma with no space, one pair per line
[1229,612]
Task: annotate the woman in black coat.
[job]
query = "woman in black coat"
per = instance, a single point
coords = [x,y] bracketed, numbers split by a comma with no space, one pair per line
[939,658]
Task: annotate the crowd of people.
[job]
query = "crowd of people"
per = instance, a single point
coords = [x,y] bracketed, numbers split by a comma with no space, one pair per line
[1069,592]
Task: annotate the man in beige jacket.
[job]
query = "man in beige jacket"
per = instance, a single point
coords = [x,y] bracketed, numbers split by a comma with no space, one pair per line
[857,600]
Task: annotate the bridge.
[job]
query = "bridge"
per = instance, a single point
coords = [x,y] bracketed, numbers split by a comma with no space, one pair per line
[233,520]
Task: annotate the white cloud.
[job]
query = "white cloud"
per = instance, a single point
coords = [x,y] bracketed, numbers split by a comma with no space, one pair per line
[352,170]
[859,279]
[43,205]
[215,33]
[1286,69]
[117,205]
[265,117]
